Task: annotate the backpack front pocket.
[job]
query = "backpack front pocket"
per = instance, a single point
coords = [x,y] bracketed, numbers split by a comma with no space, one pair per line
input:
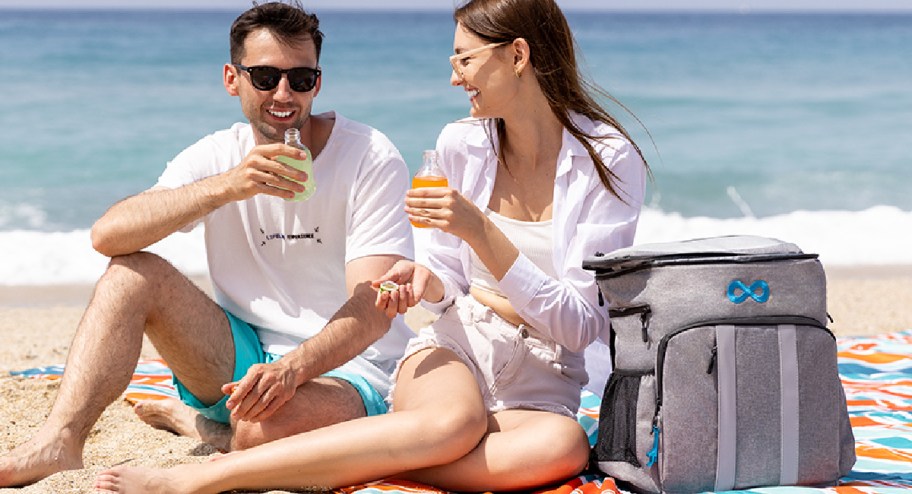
[748,403]
[686,422]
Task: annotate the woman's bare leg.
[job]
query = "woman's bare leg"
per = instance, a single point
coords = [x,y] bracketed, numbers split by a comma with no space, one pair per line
[522,450]
[439,418]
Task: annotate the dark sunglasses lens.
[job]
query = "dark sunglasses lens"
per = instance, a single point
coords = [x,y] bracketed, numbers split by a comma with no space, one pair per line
[265,78]
[302,79]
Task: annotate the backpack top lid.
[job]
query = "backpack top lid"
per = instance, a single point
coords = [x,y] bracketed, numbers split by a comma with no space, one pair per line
[729,248]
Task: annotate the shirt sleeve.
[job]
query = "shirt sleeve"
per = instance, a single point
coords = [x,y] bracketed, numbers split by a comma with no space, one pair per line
[442,252]
[190,165]
[444,260]
[378,224]
[179,171]
[211,155]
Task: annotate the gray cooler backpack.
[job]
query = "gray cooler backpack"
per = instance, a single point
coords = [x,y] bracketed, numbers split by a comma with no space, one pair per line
[724,372]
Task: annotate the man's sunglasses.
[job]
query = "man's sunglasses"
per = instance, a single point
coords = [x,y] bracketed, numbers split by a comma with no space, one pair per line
[266,78]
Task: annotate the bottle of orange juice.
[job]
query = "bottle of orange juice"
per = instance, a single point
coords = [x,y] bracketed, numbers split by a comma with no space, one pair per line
[429,175]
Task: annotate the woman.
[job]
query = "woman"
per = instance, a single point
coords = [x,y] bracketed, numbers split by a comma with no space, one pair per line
[485,398]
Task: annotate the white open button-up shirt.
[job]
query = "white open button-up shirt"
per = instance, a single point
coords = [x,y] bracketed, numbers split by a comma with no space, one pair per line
[587,219]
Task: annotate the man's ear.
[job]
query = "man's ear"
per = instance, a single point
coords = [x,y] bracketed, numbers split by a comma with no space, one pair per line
[230,79]
[316,89]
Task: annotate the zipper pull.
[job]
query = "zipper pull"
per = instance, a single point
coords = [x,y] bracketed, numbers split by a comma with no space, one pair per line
[653,454]
[712,359]
[644,318]
[601,299]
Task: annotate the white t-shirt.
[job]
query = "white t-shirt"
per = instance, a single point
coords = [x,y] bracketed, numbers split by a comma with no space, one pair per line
[280,265]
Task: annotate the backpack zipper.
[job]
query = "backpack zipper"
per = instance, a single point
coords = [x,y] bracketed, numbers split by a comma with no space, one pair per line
[739,321]
[644,311]
[612,268]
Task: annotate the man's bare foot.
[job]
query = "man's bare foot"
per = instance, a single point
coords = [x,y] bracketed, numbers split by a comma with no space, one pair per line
[36,460]
[170,415]
[126,480]
[174,416]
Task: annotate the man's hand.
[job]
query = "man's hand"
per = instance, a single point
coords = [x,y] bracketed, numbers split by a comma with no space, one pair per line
[415,282]
[260,173]
[261,392]
[141,220]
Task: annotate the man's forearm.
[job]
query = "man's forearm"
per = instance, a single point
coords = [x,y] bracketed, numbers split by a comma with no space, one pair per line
[354,327]
[141,220]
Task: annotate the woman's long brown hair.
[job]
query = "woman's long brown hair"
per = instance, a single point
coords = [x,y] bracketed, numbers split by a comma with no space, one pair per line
[553,59]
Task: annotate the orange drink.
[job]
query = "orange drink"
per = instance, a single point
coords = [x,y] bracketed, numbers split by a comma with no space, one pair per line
[429,175]
[429,181]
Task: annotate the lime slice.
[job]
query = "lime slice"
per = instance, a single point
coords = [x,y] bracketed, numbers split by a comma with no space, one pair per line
[388,286]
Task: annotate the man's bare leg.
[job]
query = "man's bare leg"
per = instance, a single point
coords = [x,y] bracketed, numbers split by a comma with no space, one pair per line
[138,293]
[318,403]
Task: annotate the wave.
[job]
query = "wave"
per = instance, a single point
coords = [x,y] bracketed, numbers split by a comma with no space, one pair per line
[881,235]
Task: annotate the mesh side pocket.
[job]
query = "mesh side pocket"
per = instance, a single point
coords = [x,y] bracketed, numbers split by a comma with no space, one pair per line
[618,419]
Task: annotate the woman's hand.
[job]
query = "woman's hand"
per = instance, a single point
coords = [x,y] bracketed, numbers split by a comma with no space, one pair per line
[446,209]
[415,282]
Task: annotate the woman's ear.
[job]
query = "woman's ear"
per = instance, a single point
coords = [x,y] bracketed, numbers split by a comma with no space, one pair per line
[521,54]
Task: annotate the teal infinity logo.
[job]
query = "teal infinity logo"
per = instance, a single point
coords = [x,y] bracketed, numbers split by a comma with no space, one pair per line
[739,292]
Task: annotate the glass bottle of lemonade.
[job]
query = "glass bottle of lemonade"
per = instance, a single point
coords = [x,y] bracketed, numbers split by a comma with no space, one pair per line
[293,139]
[429,175]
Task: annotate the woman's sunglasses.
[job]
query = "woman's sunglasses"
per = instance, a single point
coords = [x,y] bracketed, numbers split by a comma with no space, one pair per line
[266,78]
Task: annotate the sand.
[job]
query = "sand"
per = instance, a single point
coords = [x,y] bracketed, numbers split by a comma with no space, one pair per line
[37,324]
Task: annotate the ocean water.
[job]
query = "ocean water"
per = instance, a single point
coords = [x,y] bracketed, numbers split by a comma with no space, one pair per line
[787,125]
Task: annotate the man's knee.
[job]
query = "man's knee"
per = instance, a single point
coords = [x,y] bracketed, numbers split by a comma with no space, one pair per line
[320,402]
[246,435]
[137,273]
[142,263]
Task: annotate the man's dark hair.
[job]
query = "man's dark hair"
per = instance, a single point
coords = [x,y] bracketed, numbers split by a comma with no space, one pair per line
[287,21]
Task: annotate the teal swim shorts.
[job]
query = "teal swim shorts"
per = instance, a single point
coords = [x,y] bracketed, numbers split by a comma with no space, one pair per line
[247,352]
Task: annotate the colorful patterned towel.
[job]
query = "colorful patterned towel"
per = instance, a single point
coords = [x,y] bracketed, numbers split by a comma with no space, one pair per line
[151,381]
[876,373]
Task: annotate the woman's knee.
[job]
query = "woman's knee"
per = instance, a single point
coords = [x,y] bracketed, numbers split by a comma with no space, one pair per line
[566,448]
[453,432]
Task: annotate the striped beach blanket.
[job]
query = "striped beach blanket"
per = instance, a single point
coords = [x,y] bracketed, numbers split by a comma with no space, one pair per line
[876,373]
[151,380]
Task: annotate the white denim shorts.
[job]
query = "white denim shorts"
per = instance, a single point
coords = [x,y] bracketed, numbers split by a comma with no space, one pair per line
[514,366]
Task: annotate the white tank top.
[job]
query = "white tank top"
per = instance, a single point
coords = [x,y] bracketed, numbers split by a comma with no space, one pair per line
[532,238]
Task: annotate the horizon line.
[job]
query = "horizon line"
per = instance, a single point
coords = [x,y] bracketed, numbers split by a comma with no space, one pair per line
[615,10]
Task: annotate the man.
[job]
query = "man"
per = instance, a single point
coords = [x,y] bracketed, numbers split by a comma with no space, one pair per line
[291,279]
